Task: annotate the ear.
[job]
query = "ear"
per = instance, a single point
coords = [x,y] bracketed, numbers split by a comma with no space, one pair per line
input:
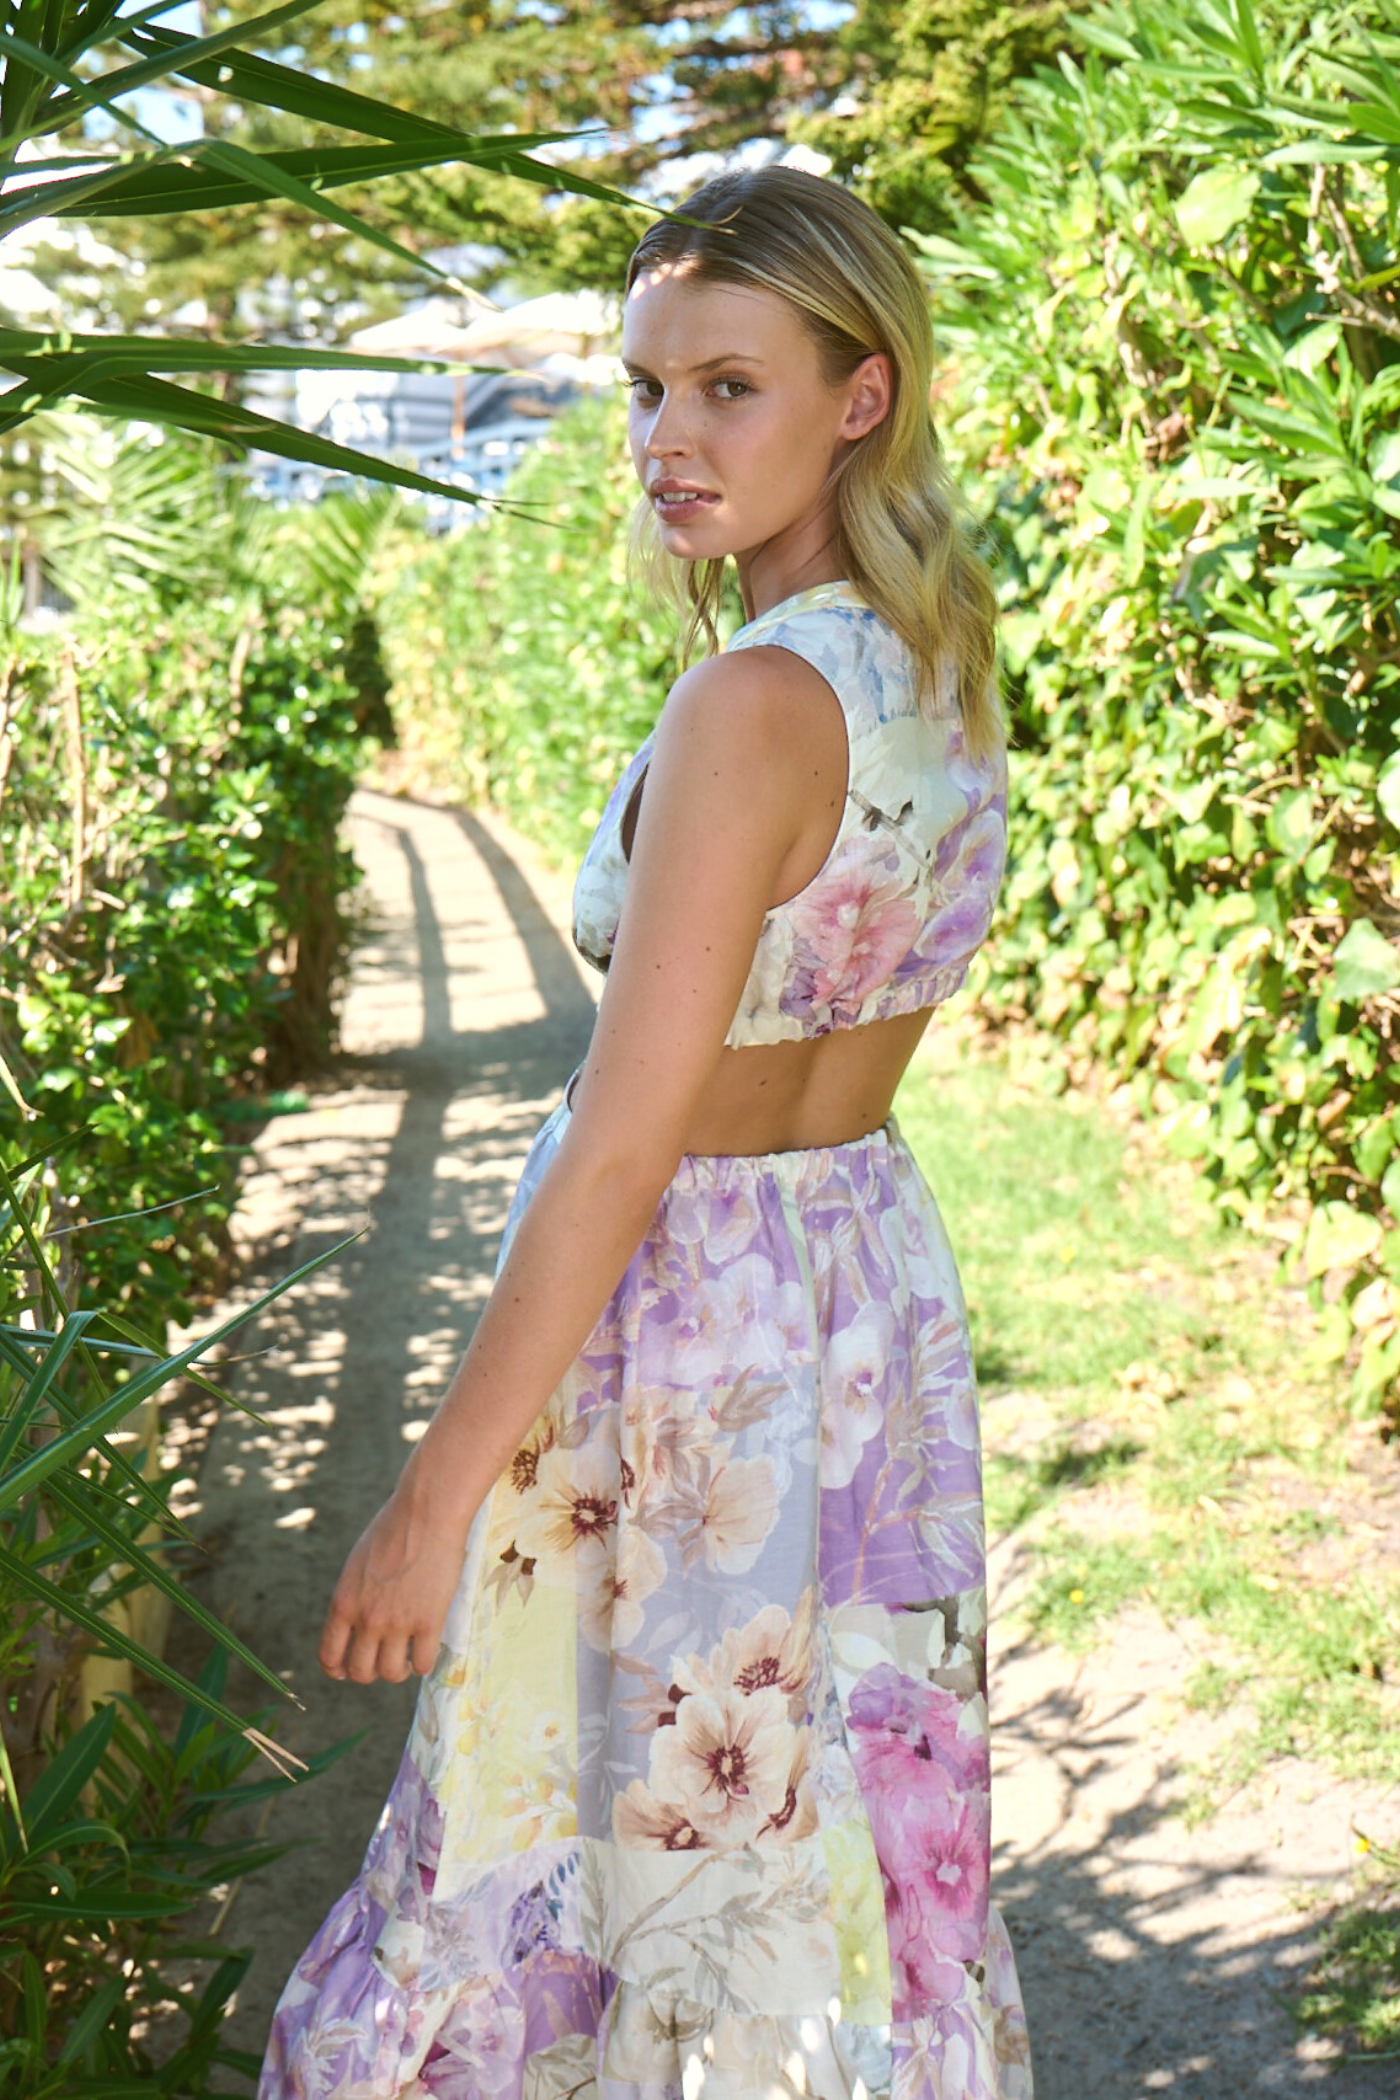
[869,393]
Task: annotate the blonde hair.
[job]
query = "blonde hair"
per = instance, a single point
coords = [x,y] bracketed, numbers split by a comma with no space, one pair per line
[902,536]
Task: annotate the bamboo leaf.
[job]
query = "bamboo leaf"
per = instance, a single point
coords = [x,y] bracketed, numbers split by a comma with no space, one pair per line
[82,1503]
[102,92]
[34,1470]
[154,401]
[247,78]
[112,1638]
[38,1379]
[256,168]
[12,1340]
[145,353]
[92,2019]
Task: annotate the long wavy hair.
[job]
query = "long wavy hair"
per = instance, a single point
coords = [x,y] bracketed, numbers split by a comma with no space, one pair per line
[903,537]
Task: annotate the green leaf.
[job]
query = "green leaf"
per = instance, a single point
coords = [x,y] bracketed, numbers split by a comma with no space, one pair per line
[1248,30]
[103,93]
[1338,1238]
[1390,1189]
[32,1471]
[1365,962]
[1289,825]
[179,408]
[79,1500]
[1214,203]
[111,1637]
[92,2019]
[1388,789]
[57,1789]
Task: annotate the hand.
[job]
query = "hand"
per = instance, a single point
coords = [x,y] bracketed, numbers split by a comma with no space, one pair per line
[387,1613]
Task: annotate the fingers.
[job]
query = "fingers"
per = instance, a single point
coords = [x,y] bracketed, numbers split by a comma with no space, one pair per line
[363,1653]
[335,1639]
[424,1650]
[392,1664]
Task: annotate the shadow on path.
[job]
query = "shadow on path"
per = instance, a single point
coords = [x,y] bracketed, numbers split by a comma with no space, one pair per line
[465,1015]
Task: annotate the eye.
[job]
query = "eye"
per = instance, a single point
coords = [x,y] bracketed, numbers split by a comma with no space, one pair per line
[641,388]
[737,389]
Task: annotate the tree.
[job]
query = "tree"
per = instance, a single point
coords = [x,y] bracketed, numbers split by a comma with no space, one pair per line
[67,61]
[639,82]
[930,76]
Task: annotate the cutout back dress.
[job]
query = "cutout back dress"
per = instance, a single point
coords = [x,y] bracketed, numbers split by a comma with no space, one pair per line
[696,1804]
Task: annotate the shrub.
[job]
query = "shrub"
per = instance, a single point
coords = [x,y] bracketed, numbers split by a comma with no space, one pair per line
[526,667]
[1175,374]
[172,786]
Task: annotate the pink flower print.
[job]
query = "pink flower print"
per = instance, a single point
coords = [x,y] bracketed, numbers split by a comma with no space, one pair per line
[857,924]
[936,1888]
[902,1729]
[922,1762]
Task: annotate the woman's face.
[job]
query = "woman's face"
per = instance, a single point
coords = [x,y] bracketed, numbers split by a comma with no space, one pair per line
[734,429]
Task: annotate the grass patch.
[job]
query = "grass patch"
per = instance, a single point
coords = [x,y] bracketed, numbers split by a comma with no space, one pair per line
[1149,1367]
[1353,1992]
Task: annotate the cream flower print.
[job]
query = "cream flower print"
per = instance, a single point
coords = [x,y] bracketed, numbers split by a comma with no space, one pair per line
[658,1430]
[771,1652]
[571,1515]
[649,1825]
[729,1762]
[610,1601]
[740,1509]
[854,1381]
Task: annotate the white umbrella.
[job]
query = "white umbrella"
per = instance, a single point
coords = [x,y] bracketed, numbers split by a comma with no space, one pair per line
[573,322]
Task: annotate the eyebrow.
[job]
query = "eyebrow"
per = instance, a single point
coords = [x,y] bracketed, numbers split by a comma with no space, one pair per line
[711,364]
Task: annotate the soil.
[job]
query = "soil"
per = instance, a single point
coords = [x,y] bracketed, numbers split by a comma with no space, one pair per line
[1154,1949]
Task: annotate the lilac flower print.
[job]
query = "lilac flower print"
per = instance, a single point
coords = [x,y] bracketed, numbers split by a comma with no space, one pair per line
[533,1922]
[704,1752]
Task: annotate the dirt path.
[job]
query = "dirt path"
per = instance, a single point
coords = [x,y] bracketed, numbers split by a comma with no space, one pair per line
[1150,1951]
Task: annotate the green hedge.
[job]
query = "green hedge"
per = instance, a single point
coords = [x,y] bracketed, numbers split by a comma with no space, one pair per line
[522,665]
[168,854]
[1175,377]
[171,782]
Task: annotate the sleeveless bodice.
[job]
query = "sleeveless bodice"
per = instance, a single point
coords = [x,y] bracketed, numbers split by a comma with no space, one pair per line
[892,919]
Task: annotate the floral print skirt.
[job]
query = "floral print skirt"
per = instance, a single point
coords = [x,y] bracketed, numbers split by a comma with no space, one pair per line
[696,1801]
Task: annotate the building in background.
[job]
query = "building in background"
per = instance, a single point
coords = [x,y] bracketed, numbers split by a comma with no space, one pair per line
[468,428]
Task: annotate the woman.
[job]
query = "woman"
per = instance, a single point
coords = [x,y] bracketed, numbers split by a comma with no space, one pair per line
[696,1799]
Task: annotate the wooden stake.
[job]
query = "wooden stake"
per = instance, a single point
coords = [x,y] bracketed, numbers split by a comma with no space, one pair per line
[77,771]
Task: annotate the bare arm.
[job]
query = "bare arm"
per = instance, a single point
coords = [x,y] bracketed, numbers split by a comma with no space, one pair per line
[742,768]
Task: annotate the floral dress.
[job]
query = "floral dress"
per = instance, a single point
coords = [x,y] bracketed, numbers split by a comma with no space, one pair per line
[696,1802]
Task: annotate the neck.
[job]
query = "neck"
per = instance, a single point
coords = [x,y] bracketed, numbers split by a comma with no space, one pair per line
[797,561]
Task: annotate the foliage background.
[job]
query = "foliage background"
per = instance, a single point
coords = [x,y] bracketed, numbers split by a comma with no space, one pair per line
[1170,383]
[173,768]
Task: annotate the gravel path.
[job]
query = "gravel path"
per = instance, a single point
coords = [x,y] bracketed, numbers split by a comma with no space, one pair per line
[1151,1952]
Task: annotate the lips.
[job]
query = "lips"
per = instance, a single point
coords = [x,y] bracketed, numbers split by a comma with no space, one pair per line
[677,501]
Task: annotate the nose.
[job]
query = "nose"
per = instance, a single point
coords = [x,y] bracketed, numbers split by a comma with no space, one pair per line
[669,436]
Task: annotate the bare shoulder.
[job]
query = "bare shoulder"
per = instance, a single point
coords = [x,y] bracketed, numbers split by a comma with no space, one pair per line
[757,703]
